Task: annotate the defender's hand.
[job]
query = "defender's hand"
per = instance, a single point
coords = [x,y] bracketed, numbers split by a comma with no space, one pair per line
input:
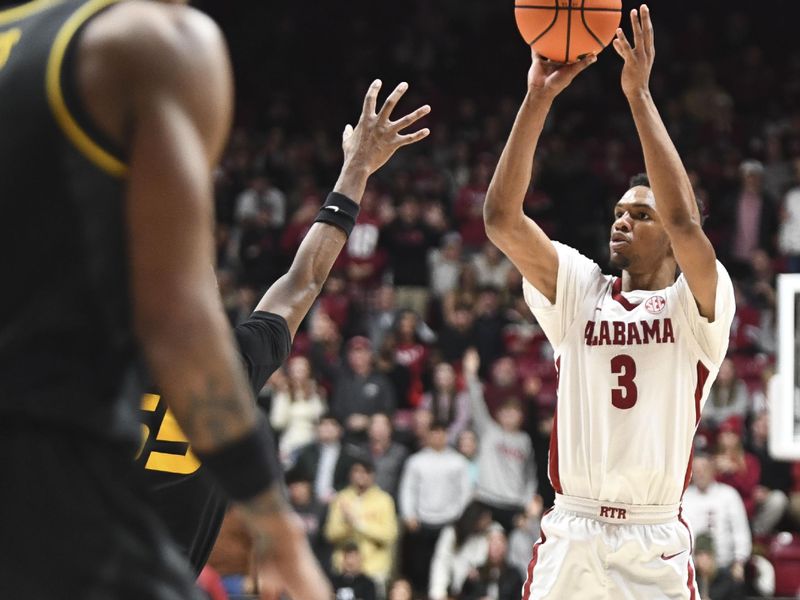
[376,137]
[547,78]
[638,59]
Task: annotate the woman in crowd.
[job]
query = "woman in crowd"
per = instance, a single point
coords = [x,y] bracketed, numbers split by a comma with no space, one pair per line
[461,548]
[296,408]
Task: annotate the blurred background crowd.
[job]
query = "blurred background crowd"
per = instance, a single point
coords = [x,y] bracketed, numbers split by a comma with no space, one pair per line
[415,412]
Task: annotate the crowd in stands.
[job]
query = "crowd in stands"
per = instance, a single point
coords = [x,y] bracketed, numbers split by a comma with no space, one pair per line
[414,415]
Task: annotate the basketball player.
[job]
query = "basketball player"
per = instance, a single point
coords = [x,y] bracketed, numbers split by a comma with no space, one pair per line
[112,115]
[185,496]
[635,354]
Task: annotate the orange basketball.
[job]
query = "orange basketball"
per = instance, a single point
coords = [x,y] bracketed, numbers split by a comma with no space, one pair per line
[566,30]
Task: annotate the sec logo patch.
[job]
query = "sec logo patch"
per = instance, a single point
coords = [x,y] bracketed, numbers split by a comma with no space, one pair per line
[655,304]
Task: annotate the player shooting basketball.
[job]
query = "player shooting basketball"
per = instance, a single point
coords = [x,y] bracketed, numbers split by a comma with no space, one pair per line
[636,355]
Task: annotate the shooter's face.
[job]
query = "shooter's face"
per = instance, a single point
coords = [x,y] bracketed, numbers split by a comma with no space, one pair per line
[638,241]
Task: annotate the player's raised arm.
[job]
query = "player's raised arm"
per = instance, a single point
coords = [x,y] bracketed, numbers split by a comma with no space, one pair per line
[516,235]
[367,147]
[157,79]
[675,200]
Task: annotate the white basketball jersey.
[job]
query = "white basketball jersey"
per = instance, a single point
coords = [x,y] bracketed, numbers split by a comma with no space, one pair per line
[634,372]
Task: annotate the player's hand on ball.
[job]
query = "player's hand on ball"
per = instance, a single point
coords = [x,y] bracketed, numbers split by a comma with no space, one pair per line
[547,78]
[639,58]
[376,137]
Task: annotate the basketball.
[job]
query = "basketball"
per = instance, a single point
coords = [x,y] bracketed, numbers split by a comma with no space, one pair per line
[566,30]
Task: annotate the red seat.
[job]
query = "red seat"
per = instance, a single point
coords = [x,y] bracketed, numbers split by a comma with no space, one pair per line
[784,554]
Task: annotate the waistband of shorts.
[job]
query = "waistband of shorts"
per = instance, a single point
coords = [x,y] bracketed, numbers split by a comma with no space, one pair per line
[617,513]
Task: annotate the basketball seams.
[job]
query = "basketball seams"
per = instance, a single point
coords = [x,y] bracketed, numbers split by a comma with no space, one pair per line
[549,27]
[588,9]
[569,32]
[586,25]
[552,33]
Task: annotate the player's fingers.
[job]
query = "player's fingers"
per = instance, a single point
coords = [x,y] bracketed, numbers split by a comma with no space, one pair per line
[624,44]
[636,25]
[410,118]
[617,47]
[583,63]
[647,30]
[370,100]
[412,138]
[392,100]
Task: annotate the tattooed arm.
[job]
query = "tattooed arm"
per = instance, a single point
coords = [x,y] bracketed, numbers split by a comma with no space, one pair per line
[156,79]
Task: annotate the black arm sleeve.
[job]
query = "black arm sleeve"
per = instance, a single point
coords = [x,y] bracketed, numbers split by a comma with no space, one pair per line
[264,344]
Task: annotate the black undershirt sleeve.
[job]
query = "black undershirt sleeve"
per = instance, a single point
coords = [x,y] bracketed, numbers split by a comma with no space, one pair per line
[264,344]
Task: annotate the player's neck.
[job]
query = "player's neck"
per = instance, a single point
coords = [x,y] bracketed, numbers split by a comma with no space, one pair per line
[658,279]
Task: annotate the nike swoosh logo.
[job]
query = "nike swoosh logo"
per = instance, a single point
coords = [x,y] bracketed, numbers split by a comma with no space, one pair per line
[333,208]
[671,556]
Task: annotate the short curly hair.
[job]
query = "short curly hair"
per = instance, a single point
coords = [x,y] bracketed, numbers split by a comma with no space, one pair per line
[641,179]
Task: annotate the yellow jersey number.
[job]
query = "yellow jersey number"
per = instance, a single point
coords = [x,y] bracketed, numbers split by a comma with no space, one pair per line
[168,431]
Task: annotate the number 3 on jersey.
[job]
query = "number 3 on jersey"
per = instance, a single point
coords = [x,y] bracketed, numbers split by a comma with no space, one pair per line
[181,460]
[625,395]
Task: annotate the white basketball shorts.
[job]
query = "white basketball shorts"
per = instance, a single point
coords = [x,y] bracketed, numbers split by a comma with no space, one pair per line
[590,550]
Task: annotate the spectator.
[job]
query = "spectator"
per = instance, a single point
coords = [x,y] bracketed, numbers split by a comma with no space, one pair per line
[434,491]
[364,260]
[507,470]
[408,240]
[400,589]
[742,470]
[364,514]
[504,385]
[468,206]
[411,351]
[310,510]
[327,461]
[336,302]
[461,547]
[360,391]
[447,405]
[489,325]
[380,320]
[496,579]
[399,376]
[775,483]
[789,230]
[387,455]
[714,582]
[458,333]
[491,266]
[716,509]
[754,214]
[297,408]
[351,583]
[728,397]
[467,445]
[261,195]
[445,265]
[526,531]
[260,255]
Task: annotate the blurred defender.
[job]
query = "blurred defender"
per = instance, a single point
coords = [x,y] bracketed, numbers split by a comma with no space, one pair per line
[111,116]
[636,355]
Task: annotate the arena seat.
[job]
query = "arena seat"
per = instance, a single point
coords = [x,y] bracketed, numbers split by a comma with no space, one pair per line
[784,554]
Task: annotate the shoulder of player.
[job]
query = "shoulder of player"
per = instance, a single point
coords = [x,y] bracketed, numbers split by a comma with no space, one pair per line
[155,44]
